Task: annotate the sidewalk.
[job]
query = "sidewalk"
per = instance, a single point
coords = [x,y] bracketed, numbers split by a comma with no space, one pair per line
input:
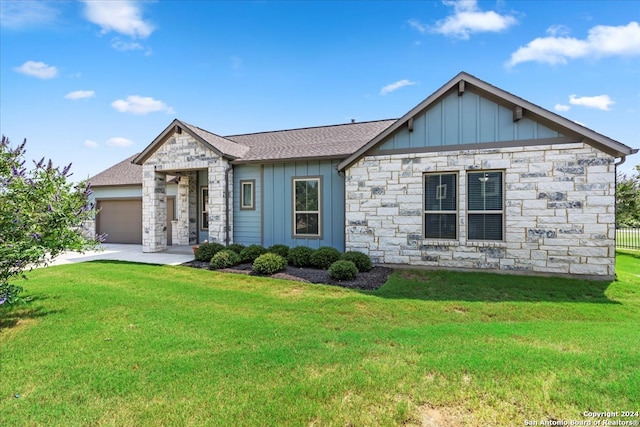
[174,255]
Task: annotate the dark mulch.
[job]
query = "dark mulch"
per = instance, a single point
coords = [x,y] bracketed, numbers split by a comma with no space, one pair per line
[369,280]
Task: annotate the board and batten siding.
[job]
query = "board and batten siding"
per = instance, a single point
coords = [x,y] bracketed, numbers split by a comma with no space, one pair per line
[247,223]
[468,119]
[278,204]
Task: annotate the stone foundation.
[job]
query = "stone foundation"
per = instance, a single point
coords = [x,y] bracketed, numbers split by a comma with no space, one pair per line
[559,210]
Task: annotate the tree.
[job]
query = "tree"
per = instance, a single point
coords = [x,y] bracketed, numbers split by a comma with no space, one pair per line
[628,199]
[41,215]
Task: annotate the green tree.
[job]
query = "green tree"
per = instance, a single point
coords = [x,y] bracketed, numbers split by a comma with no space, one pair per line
[628,199]
[41,215]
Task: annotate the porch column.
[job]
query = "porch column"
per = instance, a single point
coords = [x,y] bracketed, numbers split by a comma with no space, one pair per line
[154,210]
[181,225]
[220,201]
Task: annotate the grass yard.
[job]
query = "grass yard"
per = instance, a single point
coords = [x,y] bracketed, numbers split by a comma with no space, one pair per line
[119,344]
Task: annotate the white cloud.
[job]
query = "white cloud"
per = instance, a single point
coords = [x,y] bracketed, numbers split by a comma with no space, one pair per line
[562,107]
[80,94]
[124,46]
[21,14]
[135,104]
[468,19]
[601,41]
[600,102]
[91,144]
[121,16]
[395,86]
[417,25]
[37,69]
[118,141]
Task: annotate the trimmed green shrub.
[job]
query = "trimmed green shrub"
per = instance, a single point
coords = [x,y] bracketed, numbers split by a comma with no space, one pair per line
[300,256]
[269,263]
[206,251]
[251,252]
[225,259]
[282,250]
[343,270]
[362,261]
[324,256]
[236,247]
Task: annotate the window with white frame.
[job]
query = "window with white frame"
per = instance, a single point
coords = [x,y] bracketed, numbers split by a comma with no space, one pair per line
[306,207]
[247,195]
[485,205]
[440,206]
[204,212]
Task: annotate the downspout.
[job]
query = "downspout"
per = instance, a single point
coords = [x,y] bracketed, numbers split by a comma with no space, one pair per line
[226,204]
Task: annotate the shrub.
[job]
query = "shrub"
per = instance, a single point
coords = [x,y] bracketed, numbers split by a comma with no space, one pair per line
[282,250]
[324,256]
[343,270]
[206,251]
[236,247]
[225,259]
[269,263]
[362,261]
[251,252]
[300,256]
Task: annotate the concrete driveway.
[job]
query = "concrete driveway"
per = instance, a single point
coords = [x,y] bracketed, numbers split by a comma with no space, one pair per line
[113,251]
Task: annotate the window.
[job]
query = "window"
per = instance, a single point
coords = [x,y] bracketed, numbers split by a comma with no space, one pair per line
[247,196]
[306,207]
[204,212]
[440,206]
[485,206]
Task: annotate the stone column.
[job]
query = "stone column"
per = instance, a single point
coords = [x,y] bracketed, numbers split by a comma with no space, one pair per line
[217,207]
[154,210]
[181,227]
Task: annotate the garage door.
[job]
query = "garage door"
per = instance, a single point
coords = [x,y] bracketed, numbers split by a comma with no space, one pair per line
[121,220]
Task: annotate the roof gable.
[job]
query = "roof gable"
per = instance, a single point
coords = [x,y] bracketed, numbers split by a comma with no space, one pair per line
[444,110]
[223,147]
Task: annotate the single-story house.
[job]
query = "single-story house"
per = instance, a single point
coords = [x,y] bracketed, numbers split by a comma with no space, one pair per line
[472,177]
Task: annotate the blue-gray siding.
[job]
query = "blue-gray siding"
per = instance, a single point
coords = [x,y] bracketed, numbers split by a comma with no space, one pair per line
[278,204]
[468,119]
[247,223]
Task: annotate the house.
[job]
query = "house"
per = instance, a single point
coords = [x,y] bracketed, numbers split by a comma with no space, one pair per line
[472,177]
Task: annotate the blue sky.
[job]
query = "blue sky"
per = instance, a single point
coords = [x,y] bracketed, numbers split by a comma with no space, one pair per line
[93,82]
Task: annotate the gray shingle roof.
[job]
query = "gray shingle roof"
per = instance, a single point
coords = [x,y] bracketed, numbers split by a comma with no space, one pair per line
[224,145]
[123,173]
[337,141]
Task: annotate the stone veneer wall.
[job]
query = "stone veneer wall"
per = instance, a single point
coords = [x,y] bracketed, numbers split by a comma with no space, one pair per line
[559,210]
[181,153]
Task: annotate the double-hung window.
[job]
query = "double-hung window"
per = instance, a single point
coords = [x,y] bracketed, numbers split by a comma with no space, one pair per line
[440,206]
[306,207]
[485,205]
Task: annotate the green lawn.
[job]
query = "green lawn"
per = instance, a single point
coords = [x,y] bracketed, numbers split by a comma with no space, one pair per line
[118,344]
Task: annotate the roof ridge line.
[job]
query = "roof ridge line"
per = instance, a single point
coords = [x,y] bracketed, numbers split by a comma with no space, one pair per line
[309,127]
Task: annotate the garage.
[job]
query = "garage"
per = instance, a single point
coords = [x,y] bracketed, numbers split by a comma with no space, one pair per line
[121,220]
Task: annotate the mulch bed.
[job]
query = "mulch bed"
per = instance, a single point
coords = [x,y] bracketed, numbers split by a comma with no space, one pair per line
[370,280]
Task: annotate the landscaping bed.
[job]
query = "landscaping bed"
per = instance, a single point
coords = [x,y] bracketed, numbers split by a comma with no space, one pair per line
[370,280]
